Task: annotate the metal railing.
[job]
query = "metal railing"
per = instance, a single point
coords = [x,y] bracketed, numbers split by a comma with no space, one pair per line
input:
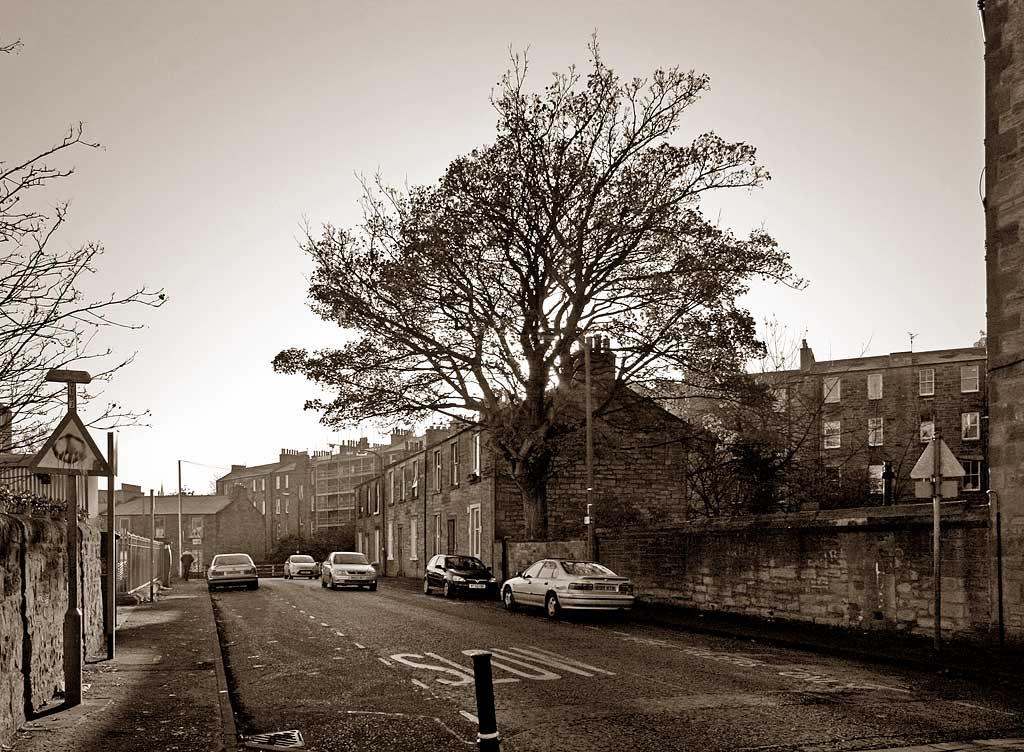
[133,562]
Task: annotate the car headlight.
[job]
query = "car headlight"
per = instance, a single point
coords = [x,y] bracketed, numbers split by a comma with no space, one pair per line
[492,580]
[458,578]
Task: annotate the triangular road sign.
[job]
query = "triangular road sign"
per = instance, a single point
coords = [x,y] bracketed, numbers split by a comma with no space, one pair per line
[949,466]
[70,448]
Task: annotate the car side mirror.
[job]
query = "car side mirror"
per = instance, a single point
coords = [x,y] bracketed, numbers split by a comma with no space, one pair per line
[375,564]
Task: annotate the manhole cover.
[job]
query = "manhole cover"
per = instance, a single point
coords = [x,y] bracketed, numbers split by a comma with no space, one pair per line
[275,740]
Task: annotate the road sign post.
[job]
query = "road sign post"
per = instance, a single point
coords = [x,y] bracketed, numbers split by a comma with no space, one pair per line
[935,464]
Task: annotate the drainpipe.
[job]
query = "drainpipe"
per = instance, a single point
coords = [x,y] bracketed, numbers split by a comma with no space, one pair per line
[994,501]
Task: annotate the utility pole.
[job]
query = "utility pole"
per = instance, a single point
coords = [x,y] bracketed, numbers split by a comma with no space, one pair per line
[111,584]
[152,532]
[181,573]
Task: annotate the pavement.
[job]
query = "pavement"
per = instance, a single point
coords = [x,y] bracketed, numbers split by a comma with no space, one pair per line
[164,690]
[166,687]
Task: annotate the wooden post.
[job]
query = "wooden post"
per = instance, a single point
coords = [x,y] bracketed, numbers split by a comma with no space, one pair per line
[152,532]
[73,614]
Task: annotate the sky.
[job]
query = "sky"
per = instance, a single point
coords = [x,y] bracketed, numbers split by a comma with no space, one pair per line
[227,126]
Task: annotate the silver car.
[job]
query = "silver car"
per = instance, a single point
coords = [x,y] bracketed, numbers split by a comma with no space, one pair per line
[299,565]
[347,568]
[232,569]
[556,584]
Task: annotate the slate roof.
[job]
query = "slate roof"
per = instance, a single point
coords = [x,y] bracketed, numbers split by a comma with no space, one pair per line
[169,505]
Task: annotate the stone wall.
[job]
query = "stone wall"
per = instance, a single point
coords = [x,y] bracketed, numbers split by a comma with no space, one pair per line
[522,554]
[1004,213]
[867,568]
[33,567]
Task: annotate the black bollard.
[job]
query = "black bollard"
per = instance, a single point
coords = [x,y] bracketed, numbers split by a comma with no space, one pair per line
[487,737]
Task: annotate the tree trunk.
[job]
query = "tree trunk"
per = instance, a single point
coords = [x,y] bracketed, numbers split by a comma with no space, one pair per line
[535,510]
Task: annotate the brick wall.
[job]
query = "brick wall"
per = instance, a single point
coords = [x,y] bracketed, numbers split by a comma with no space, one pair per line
[867,568]
[238,527]
[1004,211]
[33,567]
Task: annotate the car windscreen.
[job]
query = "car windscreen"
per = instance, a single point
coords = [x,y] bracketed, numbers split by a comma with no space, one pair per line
[229,560]
[463,562]
[584,568]
[349,559]
[302,560]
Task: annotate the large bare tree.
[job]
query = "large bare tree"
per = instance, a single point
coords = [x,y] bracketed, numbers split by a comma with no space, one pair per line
[468,297]
[46,321]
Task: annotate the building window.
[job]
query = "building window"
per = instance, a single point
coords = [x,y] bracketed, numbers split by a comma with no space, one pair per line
[833,388]
[455,463]
[376,497]
[391,486]
[124,524]
[302,487]
[277,482]
[263,484]
[404,483]
[415,478]
[158,526]
[874,386]
[875,483]
[196,527]
[391,541]
[474,530]
[970,426]
[376,543]
[359,543]
[437,469]
[927,430]
[972,475]
[277,506]
[412,539]
[264,508]
[312,502]
[926,382]
[876,428]
[968,378]
[287,478]
[254,485]
[286,505]
[780,396]
[831,431]
[476,455]
[437,533]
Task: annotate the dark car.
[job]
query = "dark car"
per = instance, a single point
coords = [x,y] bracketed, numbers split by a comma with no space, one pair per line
[454,574]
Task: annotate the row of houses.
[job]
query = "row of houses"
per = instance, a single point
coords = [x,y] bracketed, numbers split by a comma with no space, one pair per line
[446,490]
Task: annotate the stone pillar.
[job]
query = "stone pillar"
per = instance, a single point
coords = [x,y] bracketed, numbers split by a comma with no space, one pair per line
[1004,212]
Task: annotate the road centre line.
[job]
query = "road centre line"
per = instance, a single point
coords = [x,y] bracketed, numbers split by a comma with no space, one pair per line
[340,634]
[361,647]
[324,624]
[385,661]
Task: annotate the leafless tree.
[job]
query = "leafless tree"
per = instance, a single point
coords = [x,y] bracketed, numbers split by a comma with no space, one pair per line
[46,321]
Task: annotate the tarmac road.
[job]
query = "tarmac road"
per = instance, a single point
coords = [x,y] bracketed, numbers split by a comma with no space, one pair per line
[355,670]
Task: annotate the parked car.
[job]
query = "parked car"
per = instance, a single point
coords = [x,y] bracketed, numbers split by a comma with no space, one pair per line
[342,568]
[459,574]
[557,584]
[227,570]
[299,565]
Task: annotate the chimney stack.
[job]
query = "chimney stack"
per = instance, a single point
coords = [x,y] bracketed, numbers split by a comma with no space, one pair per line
[806,356]
[6,429]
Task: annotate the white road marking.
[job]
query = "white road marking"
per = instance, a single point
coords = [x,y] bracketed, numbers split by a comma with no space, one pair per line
[982,707]
[361,647]
[563,664]
[411,659]
[538,652]
[270,641]
[324,624]
[538,674]
[258,665]
[418,683]
[469,717]
[385,661]
[301,611]
[340,634]
[338,658]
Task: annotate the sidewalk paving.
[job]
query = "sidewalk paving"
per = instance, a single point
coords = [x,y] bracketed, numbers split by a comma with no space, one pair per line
[164,690]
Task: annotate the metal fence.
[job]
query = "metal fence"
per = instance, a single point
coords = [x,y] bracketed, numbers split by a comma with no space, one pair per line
[134,567]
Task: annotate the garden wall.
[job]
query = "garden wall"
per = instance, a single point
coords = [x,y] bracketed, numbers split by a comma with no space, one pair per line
[33,568]
[863,568]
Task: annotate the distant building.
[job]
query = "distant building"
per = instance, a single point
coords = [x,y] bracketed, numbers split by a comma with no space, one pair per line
[281,491]
[210,525]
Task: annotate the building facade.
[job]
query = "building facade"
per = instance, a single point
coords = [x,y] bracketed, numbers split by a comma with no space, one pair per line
[852,416]
[210,525]
[282,492]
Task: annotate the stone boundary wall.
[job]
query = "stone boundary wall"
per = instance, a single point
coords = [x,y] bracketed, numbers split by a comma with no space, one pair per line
[868,568]
[523,553]
[33,570]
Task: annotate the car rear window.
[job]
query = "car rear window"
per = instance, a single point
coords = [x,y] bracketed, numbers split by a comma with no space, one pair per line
[584,568]
[231,559]
[350,559]
[302,559]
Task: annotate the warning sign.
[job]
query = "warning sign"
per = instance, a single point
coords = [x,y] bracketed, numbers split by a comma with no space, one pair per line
[70,448]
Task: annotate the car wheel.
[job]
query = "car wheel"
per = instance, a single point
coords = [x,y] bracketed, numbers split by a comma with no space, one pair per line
[254,586]
[447,590]
[551,607]
[508,599]
[373,586]
[426,586]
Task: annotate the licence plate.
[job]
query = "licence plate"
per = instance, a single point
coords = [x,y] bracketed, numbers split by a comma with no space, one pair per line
[611,588]
[476,586]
